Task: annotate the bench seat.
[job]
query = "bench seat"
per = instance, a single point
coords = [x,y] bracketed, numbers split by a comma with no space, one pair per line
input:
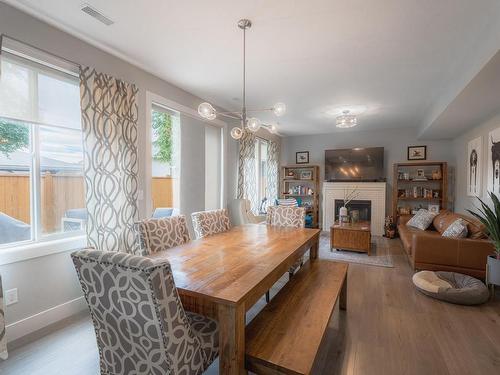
[285,336]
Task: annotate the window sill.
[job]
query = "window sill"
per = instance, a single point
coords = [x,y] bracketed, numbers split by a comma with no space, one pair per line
[24,252]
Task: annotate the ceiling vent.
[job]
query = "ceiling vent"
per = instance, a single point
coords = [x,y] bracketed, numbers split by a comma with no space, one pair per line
[93,12]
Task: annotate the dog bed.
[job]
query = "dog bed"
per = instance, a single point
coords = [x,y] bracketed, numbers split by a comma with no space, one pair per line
[451,287]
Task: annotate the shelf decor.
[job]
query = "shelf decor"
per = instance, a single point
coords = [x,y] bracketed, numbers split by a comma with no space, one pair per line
[419,185]
[417,152]
[302,183]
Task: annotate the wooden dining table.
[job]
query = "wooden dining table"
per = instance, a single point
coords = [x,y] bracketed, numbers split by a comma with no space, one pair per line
[222,276]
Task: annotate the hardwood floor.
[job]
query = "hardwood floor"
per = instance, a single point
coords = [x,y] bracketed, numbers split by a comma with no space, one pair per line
[389,328]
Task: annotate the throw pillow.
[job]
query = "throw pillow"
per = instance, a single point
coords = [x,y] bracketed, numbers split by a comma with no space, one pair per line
[421,220]
[457,229]
[290,202]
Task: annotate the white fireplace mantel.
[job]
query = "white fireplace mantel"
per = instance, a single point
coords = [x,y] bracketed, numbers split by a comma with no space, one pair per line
[372,191]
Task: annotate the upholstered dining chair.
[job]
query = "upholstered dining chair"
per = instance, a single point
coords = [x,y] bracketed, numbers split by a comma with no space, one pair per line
[161,234]
[207,223]
[140,324]
[291,217]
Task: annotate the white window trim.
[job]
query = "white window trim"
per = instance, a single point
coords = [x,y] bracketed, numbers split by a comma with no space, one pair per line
[40,245]
[152,98]
[29,250]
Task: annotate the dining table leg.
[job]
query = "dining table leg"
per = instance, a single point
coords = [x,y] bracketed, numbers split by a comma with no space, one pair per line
[231,339]
[313,252]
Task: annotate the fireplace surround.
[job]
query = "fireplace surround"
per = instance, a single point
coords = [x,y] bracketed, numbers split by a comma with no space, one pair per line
[374,192]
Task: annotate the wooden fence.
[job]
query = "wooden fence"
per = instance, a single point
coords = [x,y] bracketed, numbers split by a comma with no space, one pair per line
[162,192]
[60,193]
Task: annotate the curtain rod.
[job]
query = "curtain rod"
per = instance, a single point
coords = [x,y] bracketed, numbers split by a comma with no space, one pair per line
[2,36]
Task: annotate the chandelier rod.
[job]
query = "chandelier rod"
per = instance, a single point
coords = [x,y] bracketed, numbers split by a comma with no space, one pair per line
[244,112]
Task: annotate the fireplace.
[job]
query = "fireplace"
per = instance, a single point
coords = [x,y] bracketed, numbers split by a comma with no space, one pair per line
[363,207]
[370,191]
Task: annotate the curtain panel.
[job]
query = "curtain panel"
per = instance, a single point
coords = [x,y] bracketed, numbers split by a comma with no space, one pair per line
[247,179]
[3,338]
[109,125]
[273,155]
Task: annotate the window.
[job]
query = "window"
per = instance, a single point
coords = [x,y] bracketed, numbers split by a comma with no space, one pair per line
[261,171]
[41,154]
[165,166]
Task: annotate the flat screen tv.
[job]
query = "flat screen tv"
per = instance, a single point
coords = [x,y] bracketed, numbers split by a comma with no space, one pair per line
[355,164]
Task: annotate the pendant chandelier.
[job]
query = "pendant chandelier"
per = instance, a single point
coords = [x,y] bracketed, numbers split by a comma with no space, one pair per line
[346,120]
[207,111]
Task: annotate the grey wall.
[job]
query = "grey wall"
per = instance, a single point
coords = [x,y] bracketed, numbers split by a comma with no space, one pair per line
[192,171]
[463,201]
[50,281]
[394,141]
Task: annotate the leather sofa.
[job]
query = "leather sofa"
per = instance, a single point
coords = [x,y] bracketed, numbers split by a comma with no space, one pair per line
[428,250]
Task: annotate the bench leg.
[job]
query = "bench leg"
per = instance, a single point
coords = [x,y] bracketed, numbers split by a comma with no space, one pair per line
[343,296]
[232,339]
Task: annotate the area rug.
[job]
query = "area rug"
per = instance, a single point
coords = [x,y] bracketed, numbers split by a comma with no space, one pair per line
[380,260]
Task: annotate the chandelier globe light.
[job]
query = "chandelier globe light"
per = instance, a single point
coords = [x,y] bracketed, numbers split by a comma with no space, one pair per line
[346,120]
[253,124]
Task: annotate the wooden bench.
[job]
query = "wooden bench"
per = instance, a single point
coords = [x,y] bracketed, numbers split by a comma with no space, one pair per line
[285,336]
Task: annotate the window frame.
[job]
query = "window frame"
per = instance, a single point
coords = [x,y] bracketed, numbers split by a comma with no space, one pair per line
[39,244]
[258,169]
[151,99]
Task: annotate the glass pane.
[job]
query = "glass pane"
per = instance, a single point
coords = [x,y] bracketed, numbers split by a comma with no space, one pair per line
[59,101]
[15,170]
[15,90]
[62,183]
[164,146]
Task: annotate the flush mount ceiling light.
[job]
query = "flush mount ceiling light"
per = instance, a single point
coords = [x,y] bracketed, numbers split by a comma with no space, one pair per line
[207,111]
[346,120]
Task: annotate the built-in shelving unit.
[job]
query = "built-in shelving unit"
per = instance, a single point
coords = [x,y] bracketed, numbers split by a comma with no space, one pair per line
[302,181]
[419,185]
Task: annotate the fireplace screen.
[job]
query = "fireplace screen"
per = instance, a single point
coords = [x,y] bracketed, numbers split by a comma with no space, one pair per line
[360,209]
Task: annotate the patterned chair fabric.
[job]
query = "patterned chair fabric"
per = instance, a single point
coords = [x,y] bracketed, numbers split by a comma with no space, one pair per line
[140,324]
[160,234]
[206,223]
[287,216]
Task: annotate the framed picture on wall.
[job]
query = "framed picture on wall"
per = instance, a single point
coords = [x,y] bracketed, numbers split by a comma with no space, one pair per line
[302,157]
[474,167]
[494,161]
[417,152]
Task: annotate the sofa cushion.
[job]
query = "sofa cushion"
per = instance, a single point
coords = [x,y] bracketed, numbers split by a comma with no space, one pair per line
[422,219]
[457,229]
[445,218]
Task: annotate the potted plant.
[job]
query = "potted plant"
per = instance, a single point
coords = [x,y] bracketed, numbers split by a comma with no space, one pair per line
[491,220]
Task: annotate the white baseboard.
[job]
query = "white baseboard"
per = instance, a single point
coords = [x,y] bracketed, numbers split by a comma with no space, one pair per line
[38,321]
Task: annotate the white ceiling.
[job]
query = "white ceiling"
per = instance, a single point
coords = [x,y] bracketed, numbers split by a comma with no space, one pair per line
[389,61]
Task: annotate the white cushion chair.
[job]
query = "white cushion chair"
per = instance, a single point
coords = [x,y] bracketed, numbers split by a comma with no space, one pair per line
[240,213]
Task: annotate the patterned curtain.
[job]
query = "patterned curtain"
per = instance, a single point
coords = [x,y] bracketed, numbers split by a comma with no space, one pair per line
[273,155]
[109,123]
[3,338]
[247,183]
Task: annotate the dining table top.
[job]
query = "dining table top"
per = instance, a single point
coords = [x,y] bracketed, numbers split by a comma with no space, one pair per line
[226,267]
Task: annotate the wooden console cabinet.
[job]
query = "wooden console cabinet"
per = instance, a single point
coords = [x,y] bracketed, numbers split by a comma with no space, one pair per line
[351,236]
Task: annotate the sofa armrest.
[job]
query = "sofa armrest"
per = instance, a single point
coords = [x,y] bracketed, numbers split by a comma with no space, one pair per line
[457,252]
